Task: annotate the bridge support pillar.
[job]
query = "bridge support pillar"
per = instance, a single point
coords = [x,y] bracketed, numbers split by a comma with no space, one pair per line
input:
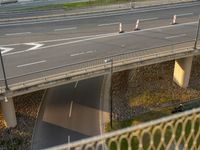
[8,111]
[182,71]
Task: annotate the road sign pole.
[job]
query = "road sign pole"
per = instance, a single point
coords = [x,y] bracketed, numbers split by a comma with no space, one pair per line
[4,73]
[111,95]
[110,91]
[197,34]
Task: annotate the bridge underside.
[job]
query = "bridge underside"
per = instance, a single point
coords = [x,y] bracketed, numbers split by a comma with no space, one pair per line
[182,69]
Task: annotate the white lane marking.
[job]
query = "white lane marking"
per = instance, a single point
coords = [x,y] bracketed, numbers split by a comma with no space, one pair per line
[108,35]
[64,29]
[175,36]
[70,109]
[186,14]
[23,33]
[148,19]
[76,84]
[59,40]
[5,49]
[34,63]
[68,140]
[89,52]
[77,54]
[116,34]
[103,15]
[35,45]
[82,53]
[109,24]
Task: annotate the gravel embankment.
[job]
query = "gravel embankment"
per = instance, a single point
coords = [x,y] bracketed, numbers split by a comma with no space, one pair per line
[19,138]
[138,90]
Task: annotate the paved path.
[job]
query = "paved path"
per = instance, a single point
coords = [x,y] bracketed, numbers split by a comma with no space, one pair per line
[71,112]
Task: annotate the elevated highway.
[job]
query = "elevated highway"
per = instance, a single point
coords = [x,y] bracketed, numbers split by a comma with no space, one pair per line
[52,63]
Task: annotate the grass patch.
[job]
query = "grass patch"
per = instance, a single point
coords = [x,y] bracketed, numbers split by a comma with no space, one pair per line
[148,98]
[187,127]
[75,5]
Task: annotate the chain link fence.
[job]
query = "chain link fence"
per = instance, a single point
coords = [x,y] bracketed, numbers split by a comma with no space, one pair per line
[176,132]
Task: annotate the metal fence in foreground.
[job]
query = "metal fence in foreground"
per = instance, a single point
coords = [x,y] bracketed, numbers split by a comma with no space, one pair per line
[176,132]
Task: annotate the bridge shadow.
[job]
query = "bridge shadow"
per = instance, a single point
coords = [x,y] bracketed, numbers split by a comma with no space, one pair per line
[47,132]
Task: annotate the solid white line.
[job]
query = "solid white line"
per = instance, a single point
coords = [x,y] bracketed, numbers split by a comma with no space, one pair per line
[63,29]
[34,63]
[76,84]
[109,24]
[70,109]
[186,14]
[148,19]
[109,35]
[175,36]
[59,40]
[23,33]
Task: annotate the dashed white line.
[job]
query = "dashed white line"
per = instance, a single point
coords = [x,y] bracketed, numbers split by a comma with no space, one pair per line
[76,84]
[186,14]
[82,53]
[70,109]
[64,29]
[77,54]
[23,33]
[29,64]
[109,24]
[175,36]
[148,19]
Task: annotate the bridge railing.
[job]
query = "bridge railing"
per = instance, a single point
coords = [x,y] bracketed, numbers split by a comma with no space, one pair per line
[88,66]
[177,132]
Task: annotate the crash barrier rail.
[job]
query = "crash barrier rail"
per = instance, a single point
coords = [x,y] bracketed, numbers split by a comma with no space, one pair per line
[92,66]
[177,132]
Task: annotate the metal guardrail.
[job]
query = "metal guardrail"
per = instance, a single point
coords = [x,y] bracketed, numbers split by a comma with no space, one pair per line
[94,65]
[176,132]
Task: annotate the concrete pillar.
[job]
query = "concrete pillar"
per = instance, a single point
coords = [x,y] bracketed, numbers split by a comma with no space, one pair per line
[182,71]
[8,111]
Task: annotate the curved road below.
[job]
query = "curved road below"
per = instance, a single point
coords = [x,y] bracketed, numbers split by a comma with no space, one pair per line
[70,112]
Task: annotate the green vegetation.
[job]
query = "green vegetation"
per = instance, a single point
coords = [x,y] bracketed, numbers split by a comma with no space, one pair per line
[168,131]
[75,5]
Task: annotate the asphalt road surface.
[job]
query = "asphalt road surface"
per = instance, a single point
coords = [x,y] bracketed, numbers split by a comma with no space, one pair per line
[70,112]
[35,46]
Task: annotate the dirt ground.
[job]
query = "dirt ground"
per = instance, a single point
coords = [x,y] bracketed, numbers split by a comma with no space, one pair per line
[138,90]
[19,138]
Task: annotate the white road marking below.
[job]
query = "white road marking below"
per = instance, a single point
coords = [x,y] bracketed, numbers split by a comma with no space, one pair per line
[186,14]
[109,24]
[23,33]
[175,36]
[148,19]
[108,35]
[64,29]
[5,49]
[29,64]
[70,109]
[59,40]
[82,53]
[35,45]
[76,84]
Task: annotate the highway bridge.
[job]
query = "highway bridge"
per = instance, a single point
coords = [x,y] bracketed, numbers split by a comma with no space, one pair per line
[47,53]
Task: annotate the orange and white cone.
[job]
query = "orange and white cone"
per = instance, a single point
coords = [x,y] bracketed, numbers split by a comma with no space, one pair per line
[137,25]
[120,28]
[174,20]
